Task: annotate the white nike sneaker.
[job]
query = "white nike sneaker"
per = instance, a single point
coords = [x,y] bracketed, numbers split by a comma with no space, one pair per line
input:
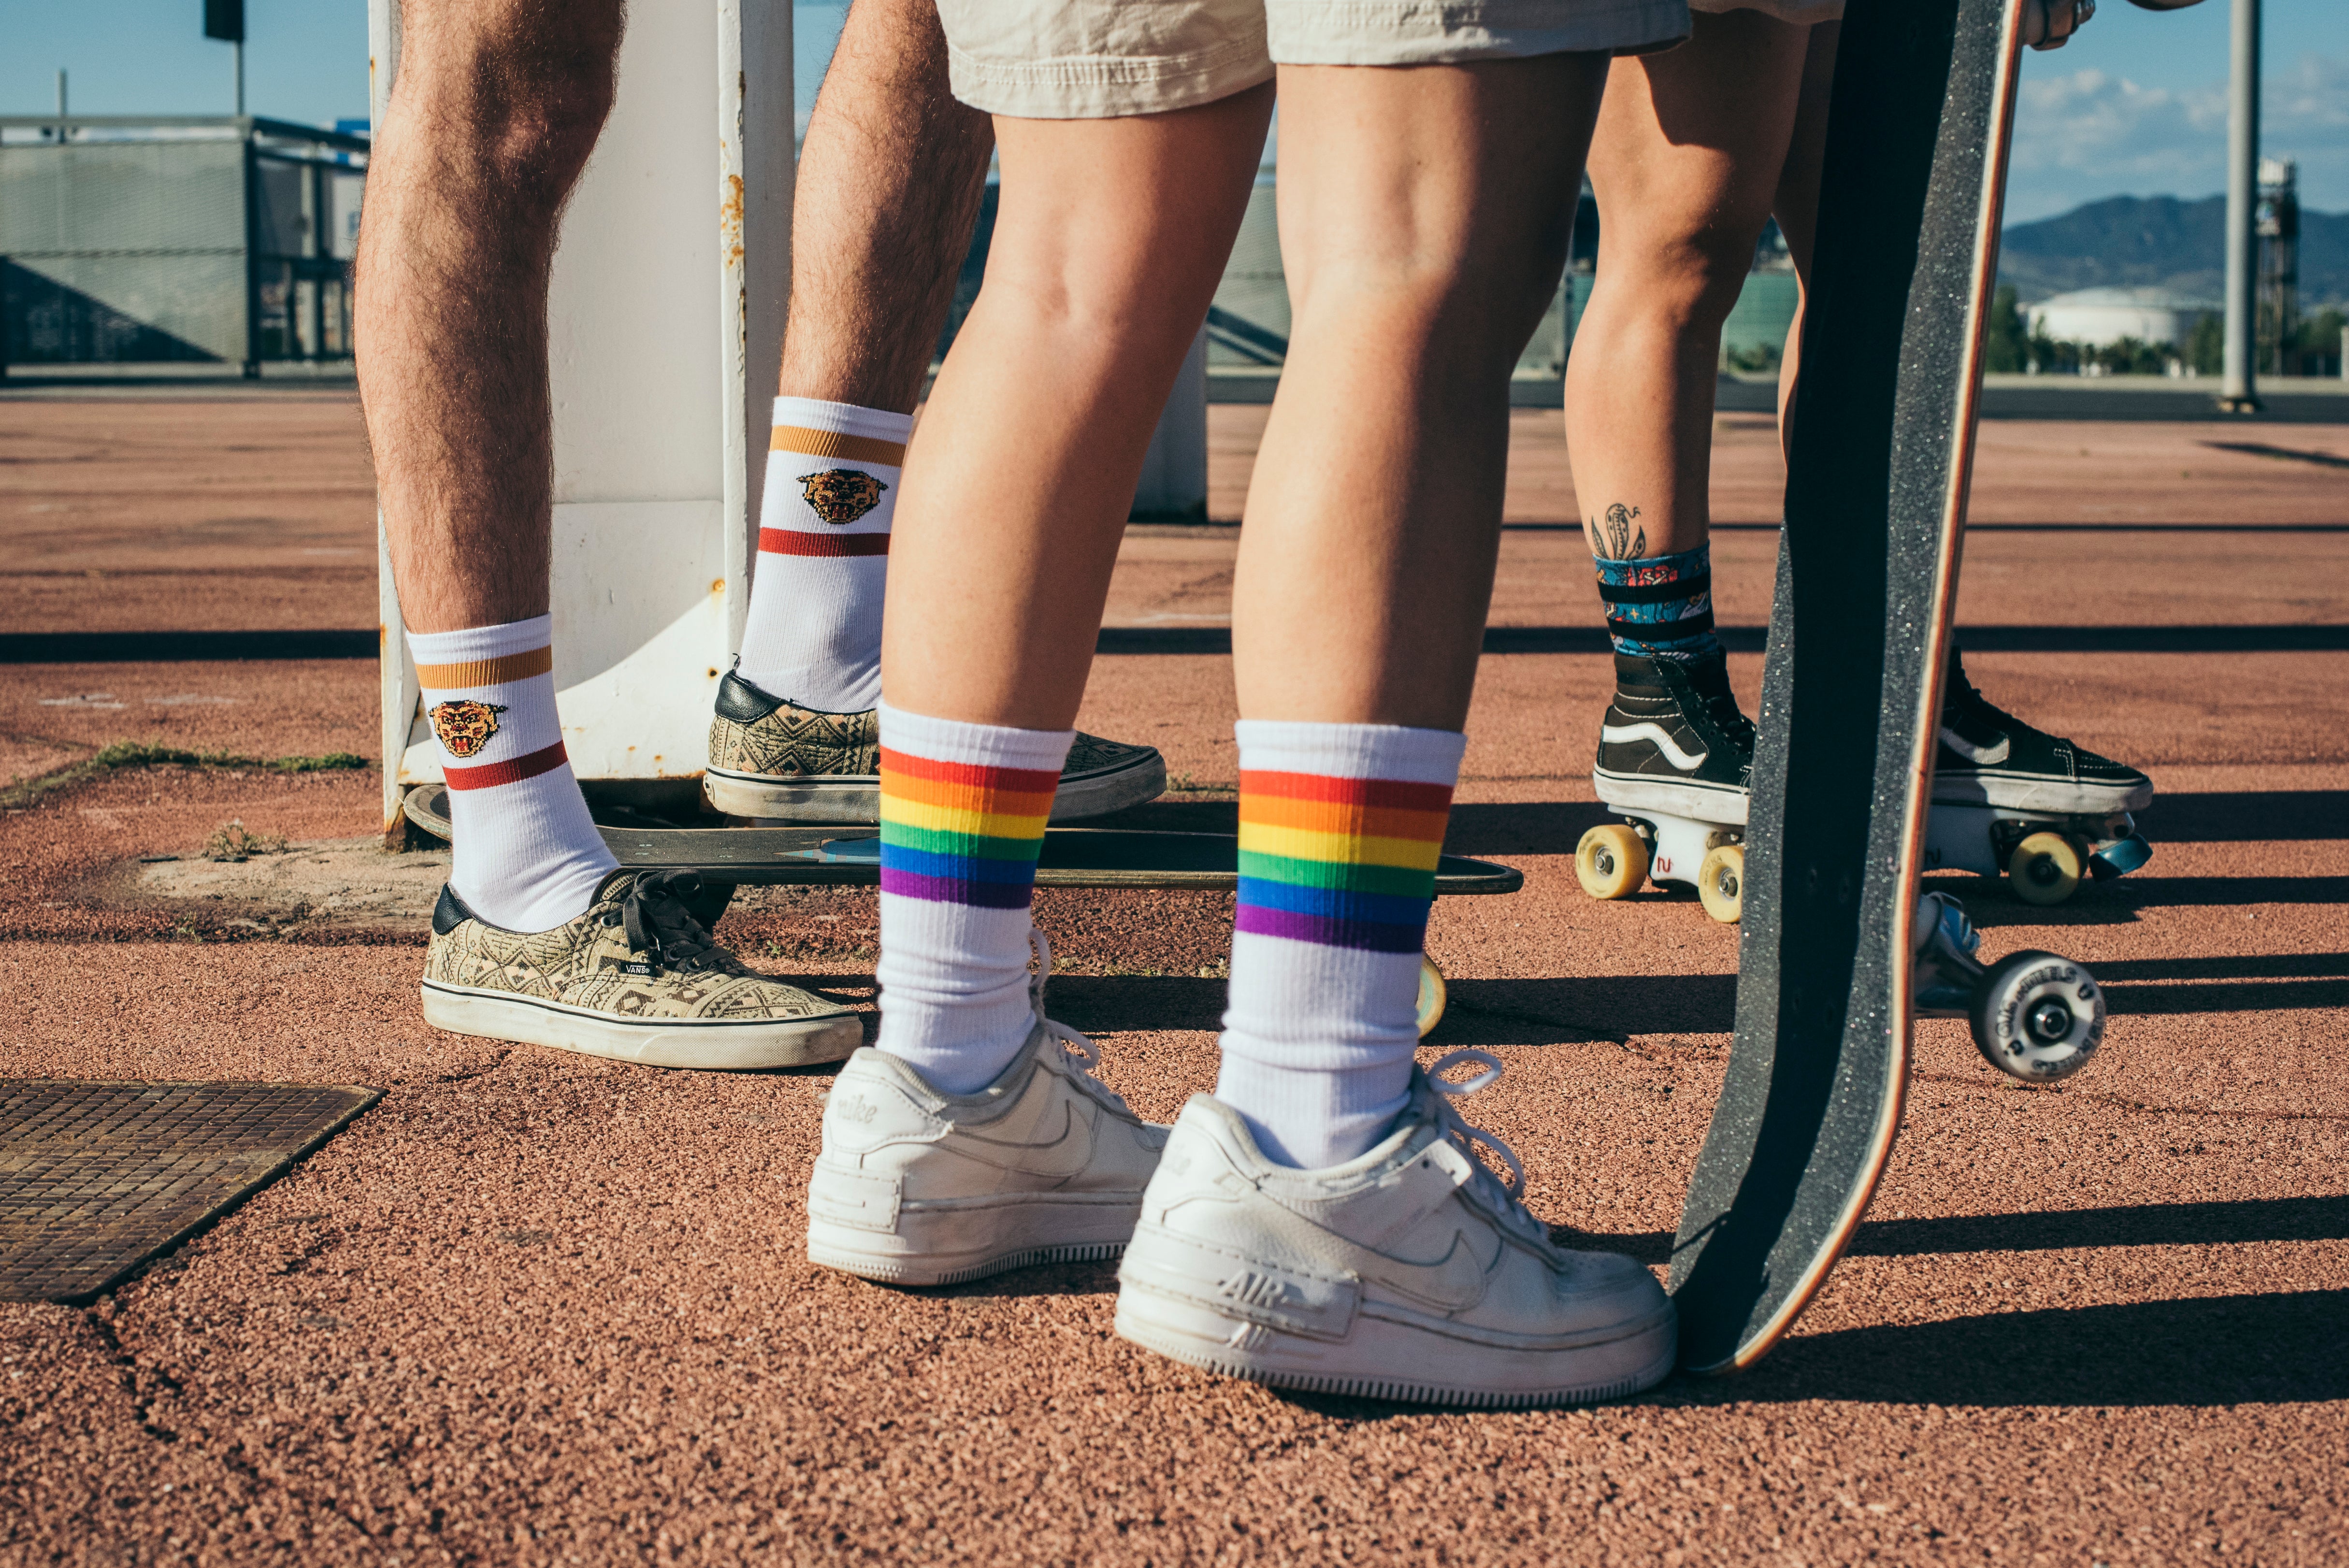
[1412,1273]
[917,1187]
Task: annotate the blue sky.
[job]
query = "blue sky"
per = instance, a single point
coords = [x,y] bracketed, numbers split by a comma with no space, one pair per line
[2137,104]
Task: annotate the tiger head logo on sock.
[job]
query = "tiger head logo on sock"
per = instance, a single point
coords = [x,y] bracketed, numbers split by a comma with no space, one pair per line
[465,727]
[840,495]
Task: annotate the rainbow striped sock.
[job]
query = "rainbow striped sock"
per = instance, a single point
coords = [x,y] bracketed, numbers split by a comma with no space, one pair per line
[1340,827]
[963,808]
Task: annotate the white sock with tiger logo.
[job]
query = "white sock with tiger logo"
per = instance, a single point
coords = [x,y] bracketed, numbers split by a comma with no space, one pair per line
[813,633]
[527,856]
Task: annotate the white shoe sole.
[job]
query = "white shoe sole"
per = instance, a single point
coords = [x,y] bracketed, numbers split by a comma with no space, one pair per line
[1722,805]
[2058,797]
[933,1246]
[1381,1358]
[855,799]
[717,1047]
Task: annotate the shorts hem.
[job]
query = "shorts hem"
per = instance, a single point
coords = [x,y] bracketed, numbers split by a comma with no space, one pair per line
[1431,32]
[1107,87]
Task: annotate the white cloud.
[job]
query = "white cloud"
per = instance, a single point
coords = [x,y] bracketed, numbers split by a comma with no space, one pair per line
[2090,134]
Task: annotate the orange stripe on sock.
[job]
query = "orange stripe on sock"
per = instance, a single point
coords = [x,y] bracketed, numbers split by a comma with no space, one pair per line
[486,672]
[810,443]
[792,542]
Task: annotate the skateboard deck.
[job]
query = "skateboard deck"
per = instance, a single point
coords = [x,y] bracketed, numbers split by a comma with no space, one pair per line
[1881,449]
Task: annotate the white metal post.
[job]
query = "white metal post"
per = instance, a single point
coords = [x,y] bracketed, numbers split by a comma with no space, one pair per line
[2238,393]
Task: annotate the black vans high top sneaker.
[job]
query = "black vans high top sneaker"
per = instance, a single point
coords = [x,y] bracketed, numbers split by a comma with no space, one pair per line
[1990,758]
[1674,740]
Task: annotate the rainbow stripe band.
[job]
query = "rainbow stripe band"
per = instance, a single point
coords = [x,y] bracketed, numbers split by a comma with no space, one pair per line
[957,832]
[1343,862]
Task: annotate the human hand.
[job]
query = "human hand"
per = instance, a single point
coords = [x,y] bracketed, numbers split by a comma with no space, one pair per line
[2050,24]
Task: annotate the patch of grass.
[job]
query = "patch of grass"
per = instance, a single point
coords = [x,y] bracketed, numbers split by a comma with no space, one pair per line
[232,841]
[134,754]
[1191,784]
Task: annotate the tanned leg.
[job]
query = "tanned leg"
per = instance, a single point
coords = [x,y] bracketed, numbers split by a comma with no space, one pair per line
[1796,204]
[498,104]
[1685,165]
[1425,216]
[1016,495]
[889,183]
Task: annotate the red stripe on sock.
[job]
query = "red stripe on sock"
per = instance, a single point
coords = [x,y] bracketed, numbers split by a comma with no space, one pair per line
[512,771]
[1390,792]
[1017,780]
[792,542]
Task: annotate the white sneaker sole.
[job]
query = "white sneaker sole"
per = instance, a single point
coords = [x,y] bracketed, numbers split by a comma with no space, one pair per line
[855,799]
[1381,1358]
[716,1046]
[2059,797]
[1723,805]
[933,1246]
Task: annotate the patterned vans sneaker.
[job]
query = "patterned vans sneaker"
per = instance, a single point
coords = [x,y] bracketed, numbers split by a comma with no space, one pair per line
[1412,1273]
[772,757]
[636,978]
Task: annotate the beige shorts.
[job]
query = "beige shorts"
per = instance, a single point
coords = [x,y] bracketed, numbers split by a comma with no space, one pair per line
[1091,59]
[1785,10]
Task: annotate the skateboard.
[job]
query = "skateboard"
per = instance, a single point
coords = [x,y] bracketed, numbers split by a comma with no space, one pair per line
[1882,438]
[2044,856]
[829,855]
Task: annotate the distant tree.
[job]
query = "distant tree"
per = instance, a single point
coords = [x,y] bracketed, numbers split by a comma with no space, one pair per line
[2206,345]
[2130,356]
[2009,347]
[2319,342]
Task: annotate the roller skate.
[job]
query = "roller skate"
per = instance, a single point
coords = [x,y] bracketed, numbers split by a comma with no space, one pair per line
[2037,1016]
[2009,798]
[1675,755]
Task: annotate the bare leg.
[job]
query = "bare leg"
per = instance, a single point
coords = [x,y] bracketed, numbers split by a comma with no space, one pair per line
[1797,204]
[1686,157]
[1016,495]
[1425,216]
[498,104]
[889,184]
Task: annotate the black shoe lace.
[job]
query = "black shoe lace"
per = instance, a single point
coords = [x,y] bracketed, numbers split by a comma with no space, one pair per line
[661,925]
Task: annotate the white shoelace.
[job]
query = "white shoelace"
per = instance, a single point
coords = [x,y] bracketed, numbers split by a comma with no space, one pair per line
[1506,1197]
[1075,1044]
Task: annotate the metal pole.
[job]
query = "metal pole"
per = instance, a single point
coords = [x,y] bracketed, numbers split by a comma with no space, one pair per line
[240,78]
[61,92]
[2238,393]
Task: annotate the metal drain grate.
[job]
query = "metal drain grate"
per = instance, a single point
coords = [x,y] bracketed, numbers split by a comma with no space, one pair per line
[98,1178]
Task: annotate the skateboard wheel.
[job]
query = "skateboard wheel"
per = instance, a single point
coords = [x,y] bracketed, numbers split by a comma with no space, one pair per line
[1432,995]
[1721,882]
[2047,867]
[1611,860]
[2037,1017]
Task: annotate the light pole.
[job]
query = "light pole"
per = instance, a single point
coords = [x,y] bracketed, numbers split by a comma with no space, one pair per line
[2239,394]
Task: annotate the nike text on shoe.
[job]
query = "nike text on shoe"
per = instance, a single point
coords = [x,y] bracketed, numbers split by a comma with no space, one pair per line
[772,757]
[1673,741]
[636,978]
[914,1187]
[1990,758]
[1412,1273]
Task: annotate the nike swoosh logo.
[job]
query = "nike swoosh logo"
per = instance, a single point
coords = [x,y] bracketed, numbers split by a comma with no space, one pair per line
[1066,1153]
[1451,1285]
[1983,755]
[1616,734]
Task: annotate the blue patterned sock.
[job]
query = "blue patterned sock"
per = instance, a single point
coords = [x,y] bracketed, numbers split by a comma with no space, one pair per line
[1661,607]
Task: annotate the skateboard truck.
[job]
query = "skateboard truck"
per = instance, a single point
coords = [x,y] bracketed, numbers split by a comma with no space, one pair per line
[2037,1016]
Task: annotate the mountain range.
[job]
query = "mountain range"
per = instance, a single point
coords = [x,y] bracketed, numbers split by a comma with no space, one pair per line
[2134,242]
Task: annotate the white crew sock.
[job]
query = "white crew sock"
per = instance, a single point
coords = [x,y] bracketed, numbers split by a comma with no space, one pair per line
[963,808]
[527,856]
[813,633]
[1340,825]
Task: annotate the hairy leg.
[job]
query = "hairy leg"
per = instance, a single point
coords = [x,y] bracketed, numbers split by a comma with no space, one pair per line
[1425,216]
[889,183]
[1683,164]
[1797,204]
[1016,495]
[498,104]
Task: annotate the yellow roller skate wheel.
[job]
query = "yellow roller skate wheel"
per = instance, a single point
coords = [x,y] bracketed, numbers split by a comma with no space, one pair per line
[1432,995]
[1721,882]
[2045,868]
[1611,861]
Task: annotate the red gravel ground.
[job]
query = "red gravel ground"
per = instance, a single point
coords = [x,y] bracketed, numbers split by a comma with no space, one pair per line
[535,1307]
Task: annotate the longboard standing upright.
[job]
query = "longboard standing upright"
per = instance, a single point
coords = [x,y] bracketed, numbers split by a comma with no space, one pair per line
[1882,443]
